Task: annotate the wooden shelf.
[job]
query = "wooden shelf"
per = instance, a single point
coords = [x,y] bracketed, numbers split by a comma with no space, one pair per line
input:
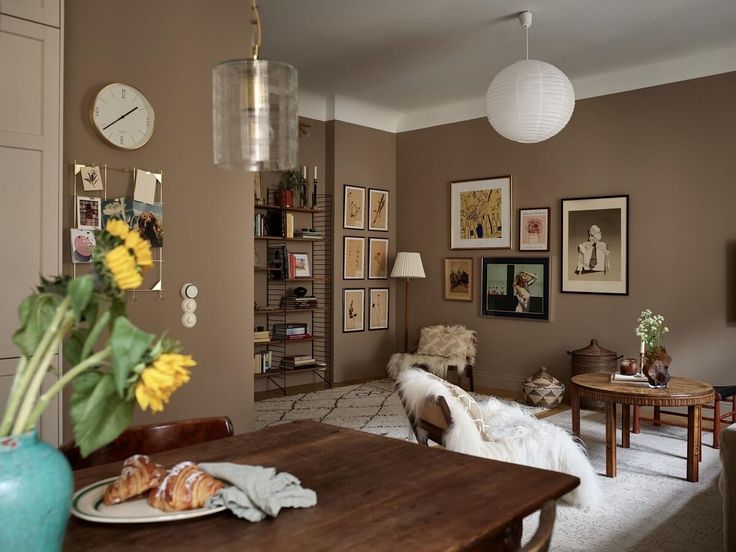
[264,269]
[282,238]
[281,371]
[289,341]
[288,209]
[284,311]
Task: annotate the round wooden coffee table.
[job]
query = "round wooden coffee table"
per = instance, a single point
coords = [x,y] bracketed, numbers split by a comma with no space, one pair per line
[681,392]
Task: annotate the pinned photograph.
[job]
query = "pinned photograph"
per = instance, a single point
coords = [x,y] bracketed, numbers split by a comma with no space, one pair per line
[89,213]
[378,210]
[83,243]
[459,281]
[595,245]
[353,258]
[352,310]
[354,208]
[378,314]
[120,208]
[91,178]
[148,219]
[145,186]
[378,258]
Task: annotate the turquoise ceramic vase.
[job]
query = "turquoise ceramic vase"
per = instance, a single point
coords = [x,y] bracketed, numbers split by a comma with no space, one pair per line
[35,494]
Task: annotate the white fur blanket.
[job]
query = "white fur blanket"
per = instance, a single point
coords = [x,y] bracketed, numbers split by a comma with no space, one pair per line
[437,365]
[516,436]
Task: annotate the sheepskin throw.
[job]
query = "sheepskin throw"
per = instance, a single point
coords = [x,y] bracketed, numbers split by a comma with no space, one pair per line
[515,435]
[447,341]
[436,364]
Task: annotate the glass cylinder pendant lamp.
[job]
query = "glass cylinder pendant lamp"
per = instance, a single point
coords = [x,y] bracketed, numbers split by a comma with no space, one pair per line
[254,110]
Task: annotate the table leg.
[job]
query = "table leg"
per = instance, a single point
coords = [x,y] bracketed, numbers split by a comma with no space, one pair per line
[575,403]
[610,439]
[693,442]
[625,425]
[657,416]
[637,423]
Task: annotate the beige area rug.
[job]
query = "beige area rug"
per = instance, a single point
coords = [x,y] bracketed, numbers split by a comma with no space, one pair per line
[649,507]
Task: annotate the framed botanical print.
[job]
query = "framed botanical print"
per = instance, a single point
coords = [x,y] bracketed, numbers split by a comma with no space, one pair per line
[377,258]
[595,245]
[515,287]
[534,229]
[377,209]
[480,216]
[353,258]
[354,208]
[459,281]
[353,300]
[378,310]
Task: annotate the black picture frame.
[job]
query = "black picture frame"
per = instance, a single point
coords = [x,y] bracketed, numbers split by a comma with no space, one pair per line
[504,299]
[613,232]
[386,206]
[345,293]
[370,308]
[346,208]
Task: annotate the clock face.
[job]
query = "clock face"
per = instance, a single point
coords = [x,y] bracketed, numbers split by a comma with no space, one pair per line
[122,116]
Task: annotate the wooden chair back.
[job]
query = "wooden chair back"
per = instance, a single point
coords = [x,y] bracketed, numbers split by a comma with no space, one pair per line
[150,439]
[542,538]
[432,421]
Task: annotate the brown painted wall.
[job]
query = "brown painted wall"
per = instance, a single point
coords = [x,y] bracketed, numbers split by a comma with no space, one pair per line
[671,149]
[366,157]
[167,49]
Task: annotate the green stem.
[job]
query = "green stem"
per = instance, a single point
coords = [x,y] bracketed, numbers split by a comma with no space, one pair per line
[55,334]
[14,398]
[43,402]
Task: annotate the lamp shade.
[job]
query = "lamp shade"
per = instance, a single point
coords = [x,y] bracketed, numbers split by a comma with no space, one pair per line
[255,118]
[408,265]
[530,101]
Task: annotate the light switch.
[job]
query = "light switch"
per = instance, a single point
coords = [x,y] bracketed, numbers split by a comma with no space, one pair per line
[189,305]
[189,319]
[189,291]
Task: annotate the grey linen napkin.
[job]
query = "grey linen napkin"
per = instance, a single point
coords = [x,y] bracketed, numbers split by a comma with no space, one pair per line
[257,491]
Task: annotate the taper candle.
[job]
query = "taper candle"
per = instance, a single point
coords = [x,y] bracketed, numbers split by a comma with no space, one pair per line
[304,172]
[315,172]
[642,350]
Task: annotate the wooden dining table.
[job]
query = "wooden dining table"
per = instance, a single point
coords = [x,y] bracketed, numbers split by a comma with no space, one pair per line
[373,493]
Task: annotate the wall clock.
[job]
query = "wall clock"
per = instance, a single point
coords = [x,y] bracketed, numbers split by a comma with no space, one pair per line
[122,116]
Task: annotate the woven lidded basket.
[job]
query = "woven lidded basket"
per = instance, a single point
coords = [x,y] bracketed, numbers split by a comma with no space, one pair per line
[591,359]
[543,389]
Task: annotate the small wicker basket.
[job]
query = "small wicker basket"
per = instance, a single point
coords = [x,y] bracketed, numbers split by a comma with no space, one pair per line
[591,359]
[543,389]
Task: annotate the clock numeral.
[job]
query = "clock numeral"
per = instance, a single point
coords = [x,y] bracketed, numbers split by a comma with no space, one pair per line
[123,92]
[97,111]
[121,140]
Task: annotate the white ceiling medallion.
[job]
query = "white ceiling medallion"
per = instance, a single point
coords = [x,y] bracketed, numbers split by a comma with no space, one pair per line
[529,101]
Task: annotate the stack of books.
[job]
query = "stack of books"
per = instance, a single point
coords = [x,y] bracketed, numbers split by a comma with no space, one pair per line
[297,361]
[632,380]
[308,234]
[262,336]
[262,362]
[294,302]
[292,331]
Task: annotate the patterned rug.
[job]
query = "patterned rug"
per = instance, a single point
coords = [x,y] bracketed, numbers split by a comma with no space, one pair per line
[648,507]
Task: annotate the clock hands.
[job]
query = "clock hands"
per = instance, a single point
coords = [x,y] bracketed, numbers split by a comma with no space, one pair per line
[119,118]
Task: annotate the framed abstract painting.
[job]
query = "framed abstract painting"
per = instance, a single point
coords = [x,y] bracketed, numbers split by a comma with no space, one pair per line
[515,287]
[480,216]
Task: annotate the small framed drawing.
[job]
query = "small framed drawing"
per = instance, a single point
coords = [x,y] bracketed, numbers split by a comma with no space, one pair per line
[515,287]
[459,281]
[91,179]
[352,310]
[377,258]
[480,215]
[377,209]
[534,229]
[89,213]
[378,312]
[301,265]
[353,258]
[595,245]
[354,208]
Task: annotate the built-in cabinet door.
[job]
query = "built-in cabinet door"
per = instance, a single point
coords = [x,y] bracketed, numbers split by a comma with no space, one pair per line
[47,12]
[30,183]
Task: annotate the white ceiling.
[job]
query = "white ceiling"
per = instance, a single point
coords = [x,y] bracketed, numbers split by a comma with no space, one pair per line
[414,59]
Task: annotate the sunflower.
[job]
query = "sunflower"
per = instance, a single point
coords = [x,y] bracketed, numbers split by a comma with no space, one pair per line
[117,228]
[141,249]
[123,268]
[159,380]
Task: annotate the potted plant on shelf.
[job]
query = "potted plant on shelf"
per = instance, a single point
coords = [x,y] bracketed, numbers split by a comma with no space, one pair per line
[109,375]
[292,182]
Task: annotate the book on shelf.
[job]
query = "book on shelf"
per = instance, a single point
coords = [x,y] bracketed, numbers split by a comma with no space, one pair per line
[632,380]
[297,361]
[289,225]
[294,302]
[290,329]
[262,336]
[298,337]
[262,362]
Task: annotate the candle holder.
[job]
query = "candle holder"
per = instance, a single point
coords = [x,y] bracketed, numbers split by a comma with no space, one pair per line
[640,371]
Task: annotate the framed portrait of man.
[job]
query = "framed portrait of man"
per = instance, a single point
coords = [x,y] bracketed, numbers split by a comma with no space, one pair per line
[595,245]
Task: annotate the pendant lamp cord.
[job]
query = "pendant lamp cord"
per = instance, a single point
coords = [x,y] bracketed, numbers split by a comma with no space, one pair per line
[255,19]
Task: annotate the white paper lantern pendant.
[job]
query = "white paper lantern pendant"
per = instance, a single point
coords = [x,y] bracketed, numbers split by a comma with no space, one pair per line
[529,101]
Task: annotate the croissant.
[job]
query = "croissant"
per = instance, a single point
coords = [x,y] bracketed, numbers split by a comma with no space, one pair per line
[185,487]
[139,475]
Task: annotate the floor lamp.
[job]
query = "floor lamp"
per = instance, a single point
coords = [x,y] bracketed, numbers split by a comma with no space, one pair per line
[407,265]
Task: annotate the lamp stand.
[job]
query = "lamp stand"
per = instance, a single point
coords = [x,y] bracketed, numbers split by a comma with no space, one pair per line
[406,317]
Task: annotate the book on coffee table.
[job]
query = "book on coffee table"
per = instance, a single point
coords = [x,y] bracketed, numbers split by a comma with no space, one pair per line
[634,380]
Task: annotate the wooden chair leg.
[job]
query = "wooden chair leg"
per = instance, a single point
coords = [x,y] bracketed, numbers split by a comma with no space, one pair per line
[716,420]
[733,409]
[637,423]
[469,372]
[657,416]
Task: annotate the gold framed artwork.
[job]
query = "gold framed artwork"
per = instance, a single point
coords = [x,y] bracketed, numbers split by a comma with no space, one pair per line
[353,258]
[377,210]
[534,229]
[377,258]
[378,311]
[353,301]
[480,216]
[459,282]
[354,208]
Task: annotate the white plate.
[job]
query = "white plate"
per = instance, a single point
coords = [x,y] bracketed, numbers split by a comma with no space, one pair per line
[87,504]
